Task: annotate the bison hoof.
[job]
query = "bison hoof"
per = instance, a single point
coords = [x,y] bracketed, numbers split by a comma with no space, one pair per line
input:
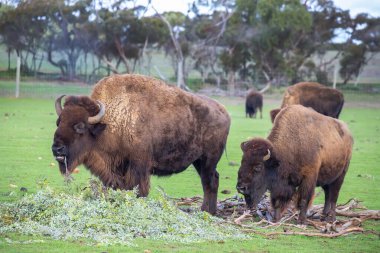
[329,217]
[208,209]
[301,221]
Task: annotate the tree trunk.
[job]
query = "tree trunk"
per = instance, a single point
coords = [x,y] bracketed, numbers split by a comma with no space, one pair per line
[179,56]
[9,59]
[34,60]
[40,63]
[62,64]
[72,67]
[231,82]
[85,67]
[268,85]
[180,74]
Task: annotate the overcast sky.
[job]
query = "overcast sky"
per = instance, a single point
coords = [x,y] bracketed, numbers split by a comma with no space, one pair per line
[355,6]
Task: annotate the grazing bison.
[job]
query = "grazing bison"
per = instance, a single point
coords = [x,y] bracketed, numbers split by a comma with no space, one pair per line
[325,100]
[253,101]
[305,149]
[133,126]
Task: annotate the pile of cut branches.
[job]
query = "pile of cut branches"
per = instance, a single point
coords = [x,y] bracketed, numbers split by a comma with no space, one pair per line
[104,216]
[350,217]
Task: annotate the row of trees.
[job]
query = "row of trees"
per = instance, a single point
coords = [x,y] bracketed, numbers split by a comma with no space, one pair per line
[282,40]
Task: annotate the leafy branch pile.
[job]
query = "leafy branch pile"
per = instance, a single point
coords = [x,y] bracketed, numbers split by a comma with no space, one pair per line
[350,218]
[109,217]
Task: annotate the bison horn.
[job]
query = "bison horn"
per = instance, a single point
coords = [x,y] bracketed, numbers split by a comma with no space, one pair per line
[97,118]
[267,156]
[58,105]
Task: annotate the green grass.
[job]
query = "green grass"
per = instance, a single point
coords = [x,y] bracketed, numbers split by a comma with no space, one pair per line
[26,133]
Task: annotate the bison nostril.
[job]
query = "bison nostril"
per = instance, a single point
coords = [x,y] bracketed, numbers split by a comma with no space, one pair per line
[59,150]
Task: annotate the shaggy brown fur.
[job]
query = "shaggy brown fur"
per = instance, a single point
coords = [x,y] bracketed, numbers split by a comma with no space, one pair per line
[307,149]
[253,102]
[148,128]
[273,113]
[325,100]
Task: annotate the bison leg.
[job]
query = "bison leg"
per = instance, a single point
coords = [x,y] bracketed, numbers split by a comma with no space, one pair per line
[279,206]
[334,189]
[206,168]
[305,194]
[327,206]
[261,112]
[138,175]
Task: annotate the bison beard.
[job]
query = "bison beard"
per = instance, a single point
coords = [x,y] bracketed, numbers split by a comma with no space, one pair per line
[305,149]
[134,126]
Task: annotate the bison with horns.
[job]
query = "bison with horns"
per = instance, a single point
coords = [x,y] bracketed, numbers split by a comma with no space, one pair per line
[305,149]
[325,100]
[134,126]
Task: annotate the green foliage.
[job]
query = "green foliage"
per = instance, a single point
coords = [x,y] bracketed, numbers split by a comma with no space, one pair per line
[352,61]
[109,217]
[284,15]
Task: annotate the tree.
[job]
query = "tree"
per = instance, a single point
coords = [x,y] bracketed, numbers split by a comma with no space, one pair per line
[364,42]
[271,34]
[22,29]
[206,31]
[328,23]
[124,35]
[175,23]
[155,34]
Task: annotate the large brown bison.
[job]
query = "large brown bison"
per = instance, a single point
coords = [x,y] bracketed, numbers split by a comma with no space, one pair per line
[253,102]
[133,126]
[325,100]
[305,149]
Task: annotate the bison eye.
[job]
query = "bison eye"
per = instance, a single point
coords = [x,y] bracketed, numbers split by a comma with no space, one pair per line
[80,128]
[257,168]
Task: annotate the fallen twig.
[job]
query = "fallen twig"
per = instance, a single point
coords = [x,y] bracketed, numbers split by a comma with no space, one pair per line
[234,211]
[246,214]
[332,235]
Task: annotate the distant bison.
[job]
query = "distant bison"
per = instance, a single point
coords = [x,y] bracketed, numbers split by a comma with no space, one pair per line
[133,126]
[325,100]
[253,102]
[305,149]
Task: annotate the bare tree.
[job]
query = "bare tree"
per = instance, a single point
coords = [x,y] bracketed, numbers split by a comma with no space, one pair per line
[179,55]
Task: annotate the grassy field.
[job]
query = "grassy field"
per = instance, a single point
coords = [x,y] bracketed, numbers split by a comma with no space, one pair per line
[27,127]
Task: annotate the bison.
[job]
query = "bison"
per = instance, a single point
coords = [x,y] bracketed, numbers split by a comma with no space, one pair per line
[305,149]
[253,102]
[133,126]
[325,100]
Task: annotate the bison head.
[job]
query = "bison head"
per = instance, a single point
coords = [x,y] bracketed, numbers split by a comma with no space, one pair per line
[253,171]
[78,125]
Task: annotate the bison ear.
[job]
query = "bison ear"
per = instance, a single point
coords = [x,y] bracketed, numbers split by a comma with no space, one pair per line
[243,145]
[97,129]
[272,162]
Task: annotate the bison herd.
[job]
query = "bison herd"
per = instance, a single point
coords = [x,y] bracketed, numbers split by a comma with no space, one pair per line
[133,126]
